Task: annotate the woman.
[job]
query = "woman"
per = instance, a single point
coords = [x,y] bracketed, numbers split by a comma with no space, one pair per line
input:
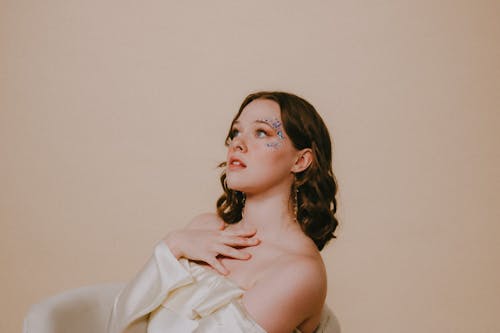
[254,266]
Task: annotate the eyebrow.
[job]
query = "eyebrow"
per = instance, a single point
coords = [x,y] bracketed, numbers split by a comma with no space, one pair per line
[258,121]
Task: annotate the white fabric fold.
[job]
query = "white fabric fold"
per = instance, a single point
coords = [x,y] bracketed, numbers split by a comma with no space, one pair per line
[170,295]
[161,274]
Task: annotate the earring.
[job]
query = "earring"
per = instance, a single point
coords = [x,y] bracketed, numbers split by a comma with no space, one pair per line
[295,190]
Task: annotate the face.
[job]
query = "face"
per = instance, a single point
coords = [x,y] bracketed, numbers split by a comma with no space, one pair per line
[260,154]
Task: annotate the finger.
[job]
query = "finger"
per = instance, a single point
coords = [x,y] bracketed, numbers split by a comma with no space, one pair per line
[240,241]
[247,232]
[217,265]
[231,252]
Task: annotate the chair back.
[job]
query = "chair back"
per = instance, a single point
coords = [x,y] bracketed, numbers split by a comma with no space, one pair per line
[80,310]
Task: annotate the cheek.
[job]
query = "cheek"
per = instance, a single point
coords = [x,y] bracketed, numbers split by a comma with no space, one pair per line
[274,156]
[274,145]
[269,150]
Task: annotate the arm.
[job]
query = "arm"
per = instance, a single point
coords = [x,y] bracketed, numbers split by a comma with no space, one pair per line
[288,297]
[202,240]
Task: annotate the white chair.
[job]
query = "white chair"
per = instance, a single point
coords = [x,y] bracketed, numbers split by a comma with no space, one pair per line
[82,310]
[87,309]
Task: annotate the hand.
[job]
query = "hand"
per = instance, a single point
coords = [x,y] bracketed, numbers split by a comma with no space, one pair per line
[208,244]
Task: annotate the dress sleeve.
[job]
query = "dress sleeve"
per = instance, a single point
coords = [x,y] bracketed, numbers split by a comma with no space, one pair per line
[162,274]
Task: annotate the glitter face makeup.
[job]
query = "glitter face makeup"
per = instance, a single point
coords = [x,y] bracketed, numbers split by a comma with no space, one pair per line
[274,144]
[276,124]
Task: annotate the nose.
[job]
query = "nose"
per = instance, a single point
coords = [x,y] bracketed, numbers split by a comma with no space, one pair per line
[238,144]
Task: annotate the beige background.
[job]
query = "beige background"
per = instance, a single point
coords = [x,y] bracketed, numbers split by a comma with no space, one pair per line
[113,115]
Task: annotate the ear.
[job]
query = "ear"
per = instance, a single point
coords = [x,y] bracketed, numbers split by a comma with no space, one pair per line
[304,159]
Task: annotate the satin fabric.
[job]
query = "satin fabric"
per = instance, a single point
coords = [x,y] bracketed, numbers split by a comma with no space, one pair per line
[170,295]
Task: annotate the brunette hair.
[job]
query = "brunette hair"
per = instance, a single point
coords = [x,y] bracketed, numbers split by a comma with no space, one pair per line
[317,187]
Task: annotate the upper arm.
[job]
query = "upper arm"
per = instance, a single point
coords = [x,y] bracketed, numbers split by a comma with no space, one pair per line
[206,221]
[290,296]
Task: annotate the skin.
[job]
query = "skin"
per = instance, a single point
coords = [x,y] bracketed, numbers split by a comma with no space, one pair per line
[266,253]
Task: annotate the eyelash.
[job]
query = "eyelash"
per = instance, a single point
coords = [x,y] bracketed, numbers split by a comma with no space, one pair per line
[262,131]
[234,132]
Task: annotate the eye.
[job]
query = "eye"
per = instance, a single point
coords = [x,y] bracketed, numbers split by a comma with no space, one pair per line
[234,132]
[261,133]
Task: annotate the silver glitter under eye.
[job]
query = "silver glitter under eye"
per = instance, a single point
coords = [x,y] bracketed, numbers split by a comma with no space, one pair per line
[273,144]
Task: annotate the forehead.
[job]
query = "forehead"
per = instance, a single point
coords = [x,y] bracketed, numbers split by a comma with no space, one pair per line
[260,109]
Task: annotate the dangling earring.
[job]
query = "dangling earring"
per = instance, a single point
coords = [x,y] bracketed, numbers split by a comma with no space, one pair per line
[295,190]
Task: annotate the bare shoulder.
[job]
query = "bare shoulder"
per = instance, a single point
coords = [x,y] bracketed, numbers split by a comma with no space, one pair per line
[291,294]
[305,273]
[206,221]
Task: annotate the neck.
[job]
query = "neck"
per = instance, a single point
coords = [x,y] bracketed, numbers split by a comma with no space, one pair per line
[269,213]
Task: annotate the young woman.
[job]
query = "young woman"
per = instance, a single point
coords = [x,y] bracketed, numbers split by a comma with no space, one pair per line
[255,265]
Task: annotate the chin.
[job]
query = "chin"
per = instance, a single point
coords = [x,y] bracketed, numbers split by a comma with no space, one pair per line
[235,187]
[237,184]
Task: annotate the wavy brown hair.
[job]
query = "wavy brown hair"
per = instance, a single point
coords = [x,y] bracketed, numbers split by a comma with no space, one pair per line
[317,187]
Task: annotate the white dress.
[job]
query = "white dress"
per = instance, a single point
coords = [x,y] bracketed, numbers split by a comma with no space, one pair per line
[170,295]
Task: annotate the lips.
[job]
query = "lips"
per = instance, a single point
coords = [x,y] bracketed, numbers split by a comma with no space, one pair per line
[235,163]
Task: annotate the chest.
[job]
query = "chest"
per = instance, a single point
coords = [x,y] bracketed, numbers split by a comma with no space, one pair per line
[246,273]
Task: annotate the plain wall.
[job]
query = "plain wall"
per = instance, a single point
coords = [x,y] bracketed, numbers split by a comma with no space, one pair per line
[113,116]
